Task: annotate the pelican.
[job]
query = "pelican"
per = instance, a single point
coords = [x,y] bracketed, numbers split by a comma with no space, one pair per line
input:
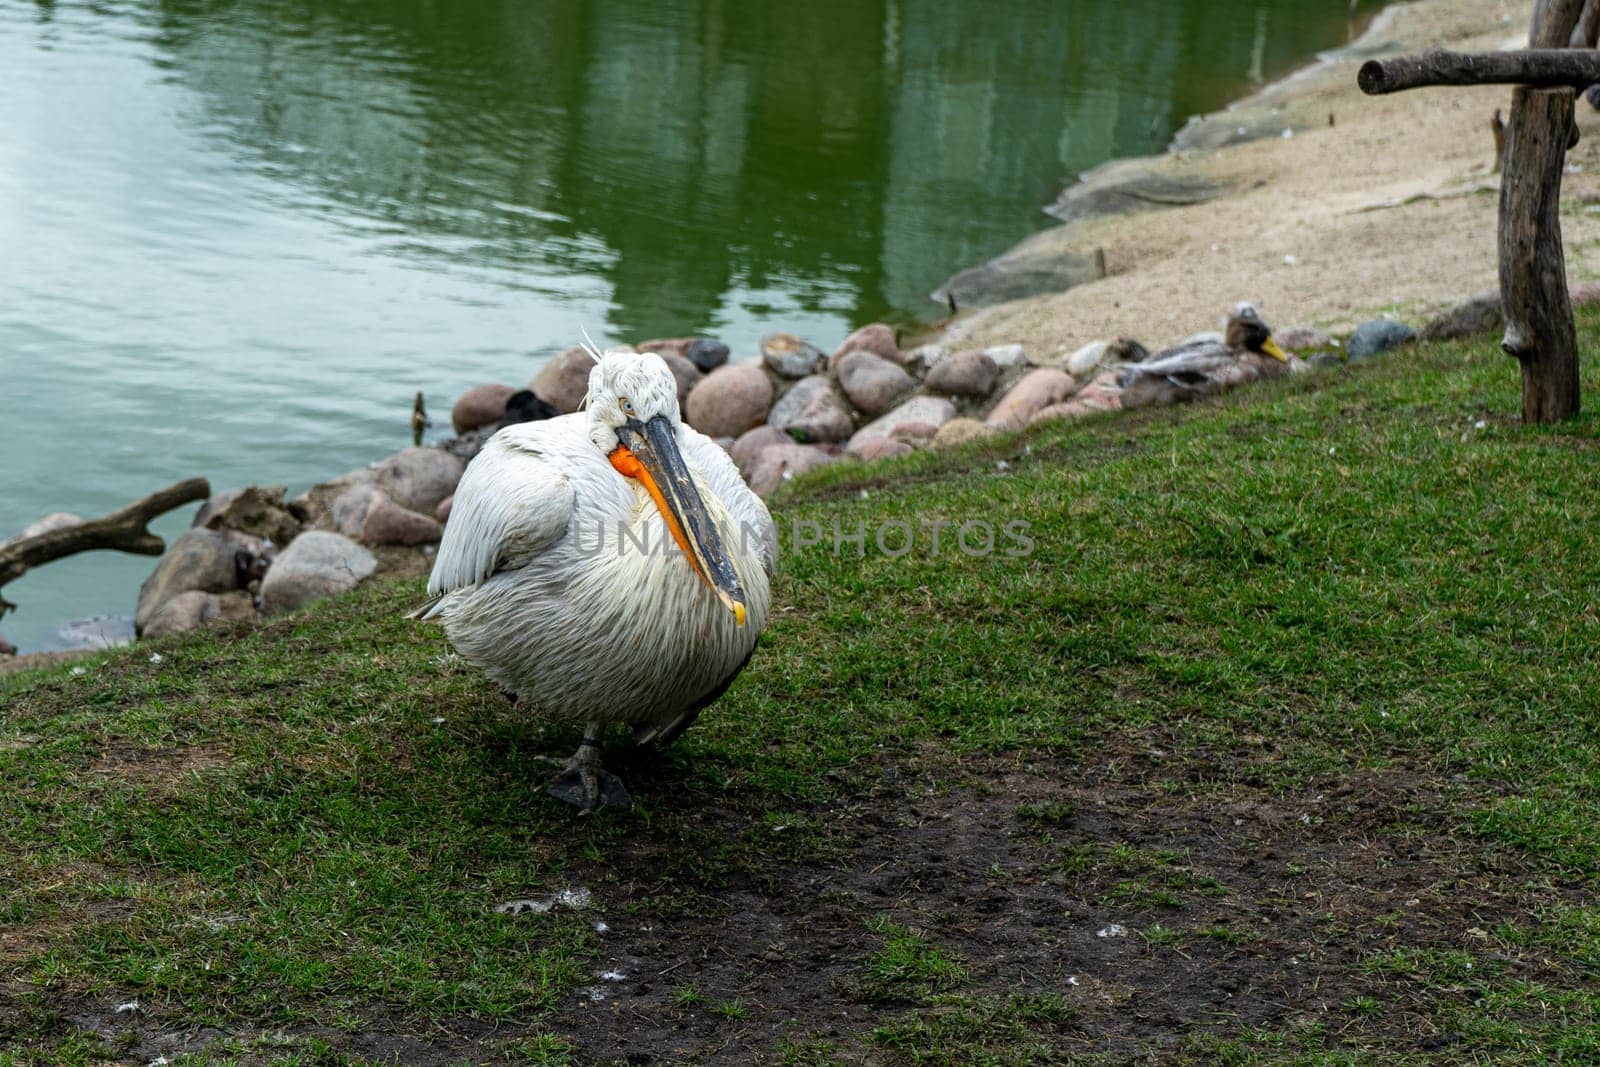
[1246,353]
[608,567]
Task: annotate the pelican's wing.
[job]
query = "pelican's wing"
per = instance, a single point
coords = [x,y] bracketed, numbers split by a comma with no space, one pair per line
[511,505]
[723,478]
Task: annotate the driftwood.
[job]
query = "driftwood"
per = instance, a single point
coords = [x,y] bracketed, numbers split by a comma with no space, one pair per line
[126,530]
[1533,270]
[1533,282]
[1539,67]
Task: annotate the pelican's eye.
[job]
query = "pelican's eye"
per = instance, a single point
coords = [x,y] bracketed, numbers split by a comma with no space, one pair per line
[626,405]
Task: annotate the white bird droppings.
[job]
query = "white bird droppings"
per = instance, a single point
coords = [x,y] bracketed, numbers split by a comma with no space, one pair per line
[612,976]
[1114,930]
[155,657]
[128,1008]
[575,898]
[600,927]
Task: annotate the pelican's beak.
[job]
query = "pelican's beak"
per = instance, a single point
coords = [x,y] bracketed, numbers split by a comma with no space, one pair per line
[1270,347]
[649,453]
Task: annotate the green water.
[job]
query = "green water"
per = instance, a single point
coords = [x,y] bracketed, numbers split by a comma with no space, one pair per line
[238,236]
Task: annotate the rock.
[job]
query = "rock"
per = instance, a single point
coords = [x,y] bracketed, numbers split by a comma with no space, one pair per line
[1090,400]
[746,451]
[480,406]
[885,448]
[730,400]
[56,520]
[933,410]
[387,523]
[1036,390]
[924,358]
[725,443]
[778,463]
[1007,356]
[706,354]
[687,374]
[192,610]
[199,561]
[790,357]
[1376,336]
[872,383]
[348,513]
[960,431]
[812,412]
[875,337]
[441,513]
[964,374]
[418,478]
[313,506]
[564,381]
[7,648]
[255,510]
[1477,315]
[914,432]
[1116,190]
[678,346]
[1303,339]
[318,564]
[1086,359]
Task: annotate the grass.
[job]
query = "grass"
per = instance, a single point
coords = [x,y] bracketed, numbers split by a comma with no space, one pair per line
[1275,667]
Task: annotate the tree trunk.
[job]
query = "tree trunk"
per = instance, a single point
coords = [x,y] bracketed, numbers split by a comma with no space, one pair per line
[1554,22]
[124,530]
[1533,271]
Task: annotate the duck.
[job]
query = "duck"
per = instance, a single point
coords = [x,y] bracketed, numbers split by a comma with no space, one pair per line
[1244,353]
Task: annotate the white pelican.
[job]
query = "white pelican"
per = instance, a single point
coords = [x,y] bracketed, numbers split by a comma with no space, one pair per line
[1246,353]
[609,566]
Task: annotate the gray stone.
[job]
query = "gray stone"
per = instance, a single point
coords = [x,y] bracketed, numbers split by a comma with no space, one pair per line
[1376,336]
[812,412]
[7,648]
[1478,315]
[418,478]
[706,354]
[1008,357]
[746,450]
[192,610]
[480,406]
[200,560]
[1303,339]
[312,507]
[730,400]
[257,510]
[789,356]
[348,514]
[872,383]
[1036,390]
[442,513]
[387,523]
[564,381]
[662,345]
[1084,360]
[687,374]
[885,448]
[924,358]
[779,463]
[1127,191]
[964,374]
[960,431]
[875,337]
[933,410]
[318,564]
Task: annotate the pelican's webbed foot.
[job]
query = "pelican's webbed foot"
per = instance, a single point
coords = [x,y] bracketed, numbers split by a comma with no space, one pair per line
[582,782]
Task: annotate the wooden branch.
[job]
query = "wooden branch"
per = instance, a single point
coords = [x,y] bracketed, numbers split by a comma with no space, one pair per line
[1539,67]
[1553,23]
[1586,34]
[1533,271]
[125,531]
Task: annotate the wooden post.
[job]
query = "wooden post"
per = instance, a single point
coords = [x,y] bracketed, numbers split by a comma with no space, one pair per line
[1533,269]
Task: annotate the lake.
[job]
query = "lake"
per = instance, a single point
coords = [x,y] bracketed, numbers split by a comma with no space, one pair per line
[238,237]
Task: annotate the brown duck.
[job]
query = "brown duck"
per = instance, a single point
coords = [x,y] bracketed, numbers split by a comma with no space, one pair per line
[1246,353]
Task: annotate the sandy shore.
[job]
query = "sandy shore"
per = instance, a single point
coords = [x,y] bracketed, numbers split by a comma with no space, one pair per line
[1390,209]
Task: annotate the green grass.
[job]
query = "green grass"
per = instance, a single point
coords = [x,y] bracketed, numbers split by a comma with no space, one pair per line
[303,831]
